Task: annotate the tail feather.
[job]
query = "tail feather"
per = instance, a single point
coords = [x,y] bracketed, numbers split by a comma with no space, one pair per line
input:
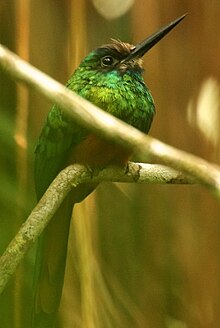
[50,267]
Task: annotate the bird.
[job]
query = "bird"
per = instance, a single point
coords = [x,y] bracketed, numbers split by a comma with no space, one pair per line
[111,77]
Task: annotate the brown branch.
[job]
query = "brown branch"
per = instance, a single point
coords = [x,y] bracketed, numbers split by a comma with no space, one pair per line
[68,178]
[108,126]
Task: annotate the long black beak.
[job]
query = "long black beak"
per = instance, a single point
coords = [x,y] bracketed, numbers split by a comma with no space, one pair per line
[144,46]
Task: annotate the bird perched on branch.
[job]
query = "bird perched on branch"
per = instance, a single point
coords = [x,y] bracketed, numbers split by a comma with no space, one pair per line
[111,78]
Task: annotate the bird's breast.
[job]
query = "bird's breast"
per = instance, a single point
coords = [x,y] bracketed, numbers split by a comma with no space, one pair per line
[95,152]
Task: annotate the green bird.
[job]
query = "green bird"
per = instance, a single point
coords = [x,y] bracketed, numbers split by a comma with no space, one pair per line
[111,78]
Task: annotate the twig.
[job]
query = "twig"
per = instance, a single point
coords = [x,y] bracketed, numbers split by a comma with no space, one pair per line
[37,221]
[110,127]
[66,179]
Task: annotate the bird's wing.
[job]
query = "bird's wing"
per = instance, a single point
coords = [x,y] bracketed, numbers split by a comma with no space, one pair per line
[59,136]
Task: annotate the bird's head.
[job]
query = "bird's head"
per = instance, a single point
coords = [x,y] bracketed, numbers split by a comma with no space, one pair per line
[123,56]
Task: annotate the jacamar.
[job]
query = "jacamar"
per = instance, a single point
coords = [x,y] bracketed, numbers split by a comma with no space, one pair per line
[111,78]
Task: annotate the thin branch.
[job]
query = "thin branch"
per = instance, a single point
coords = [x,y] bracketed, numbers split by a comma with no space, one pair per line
[110,127]
[141,173]
[37,221]
[63,183]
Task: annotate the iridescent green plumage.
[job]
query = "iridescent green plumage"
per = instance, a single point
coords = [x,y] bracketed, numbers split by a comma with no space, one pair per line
[120,91]
[111,78]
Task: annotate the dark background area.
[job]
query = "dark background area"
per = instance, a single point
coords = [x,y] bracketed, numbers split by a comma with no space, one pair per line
[139,255]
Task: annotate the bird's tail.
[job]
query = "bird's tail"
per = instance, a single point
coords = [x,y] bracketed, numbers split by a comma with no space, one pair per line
[50,267]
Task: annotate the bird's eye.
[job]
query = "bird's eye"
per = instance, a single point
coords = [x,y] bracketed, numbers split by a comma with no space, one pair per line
[107,61]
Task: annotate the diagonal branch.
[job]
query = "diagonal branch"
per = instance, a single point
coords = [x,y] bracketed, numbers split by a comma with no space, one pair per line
[108,126]
[68,178]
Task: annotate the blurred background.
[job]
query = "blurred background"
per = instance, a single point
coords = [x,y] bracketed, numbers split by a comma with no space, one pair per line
[139,255]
